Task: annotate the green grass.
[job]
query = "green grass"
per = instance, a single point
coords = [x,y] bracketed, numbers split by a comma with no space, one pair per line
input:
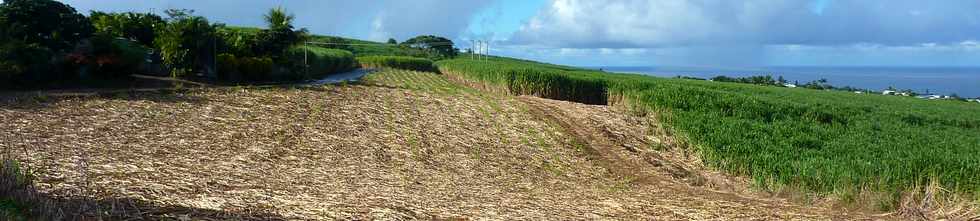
[415,80]
[399,62]
[11,210]
[324,61]
[359,47]
[13,206]
[529,78]
[370,48]
[822,141]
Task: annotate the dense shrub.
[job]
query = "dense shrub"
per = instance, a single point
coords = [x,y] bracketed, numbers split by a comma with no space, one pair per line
[274,42]
[24,65]
[237,69]
[186,43]
[49,24]
[399,62]
[32,33]
[107,57]
[436,47]
[232,68]
[228,67]
[322,61]
[256,68]
[140,27]
[237,42]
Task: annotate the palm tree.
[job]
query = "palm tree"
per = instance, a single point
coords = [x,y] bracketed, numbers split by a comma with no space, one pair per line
[278,18]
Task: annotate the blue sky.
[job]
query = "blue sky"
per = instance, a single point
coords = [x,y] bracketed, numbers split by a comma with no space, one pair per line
[640,32]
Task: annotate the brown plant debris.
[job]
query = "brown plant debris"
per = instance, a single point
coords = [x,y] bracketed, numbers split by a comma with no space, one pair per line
[362,152]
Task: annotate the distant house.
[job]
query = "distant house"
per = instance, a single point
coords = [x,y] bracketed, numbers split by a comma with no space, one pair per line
[933,97]
[789,85]
[974,100]
[888,92]
[858,92]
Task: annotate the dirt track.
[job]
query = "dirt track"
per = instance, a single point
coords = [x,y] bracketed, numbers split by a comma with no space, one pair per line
[367,152]
[669,183]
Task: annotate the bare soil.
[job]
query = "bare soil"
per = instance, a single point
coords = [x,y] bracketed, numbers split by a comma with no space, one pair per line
[373,151]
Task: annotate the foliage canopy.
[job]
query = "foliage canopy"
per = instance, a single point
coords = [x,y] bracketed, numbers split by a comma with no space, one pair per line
[140,27]
[439,47]
[48,23]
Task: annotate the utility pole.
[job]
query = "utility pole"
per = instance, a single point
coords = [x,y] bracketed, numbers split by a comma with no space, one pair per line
[483,48]
[472,47]
[306,58]
[214,54]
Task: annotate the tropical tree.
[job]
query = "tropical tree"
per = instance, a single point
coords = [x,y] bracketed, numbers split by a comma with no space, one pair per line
[438,47]
[278,18]
[392,41]
[49,23]
[33,36]
[140,27]
[280,36]
[237,42]
[25,64]
[187,42]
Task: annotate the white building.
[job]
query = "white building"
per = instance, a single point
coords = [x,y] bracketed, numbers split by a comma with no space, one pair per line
[888,92]
[933,96]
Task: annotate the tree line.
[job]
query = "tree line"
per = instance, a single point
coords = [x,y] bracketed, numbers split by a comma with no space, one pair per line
[46,42]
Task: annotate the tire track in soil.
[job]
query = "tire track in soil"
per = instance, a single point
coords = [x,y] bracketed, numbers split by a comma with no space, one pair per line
[648,169]
[597,148]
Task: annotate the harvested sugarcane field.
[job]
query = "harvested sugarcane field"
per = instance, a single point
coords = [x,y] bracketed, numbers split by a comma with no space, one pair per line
[279,111]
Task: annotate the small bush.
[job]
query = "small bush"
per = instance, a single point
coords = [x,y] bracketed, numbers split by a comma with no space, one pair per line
[398,62]
[231,68]
[255,69]
[107,57]
[26,65]
[228,67]
[15,191]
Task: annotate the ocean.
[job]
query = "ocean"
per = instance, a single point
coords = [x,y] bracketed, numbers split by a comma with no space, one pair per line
[963,81]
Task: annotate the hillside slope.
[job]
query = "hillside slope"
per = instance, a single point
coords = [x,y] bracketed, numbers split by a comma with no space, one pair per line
[402,145]
[876,151]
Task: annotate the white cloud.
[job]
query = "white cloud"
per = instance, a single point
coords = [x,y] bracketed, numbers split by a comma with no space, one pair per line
[641,23]
[406,19]
[374,19]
